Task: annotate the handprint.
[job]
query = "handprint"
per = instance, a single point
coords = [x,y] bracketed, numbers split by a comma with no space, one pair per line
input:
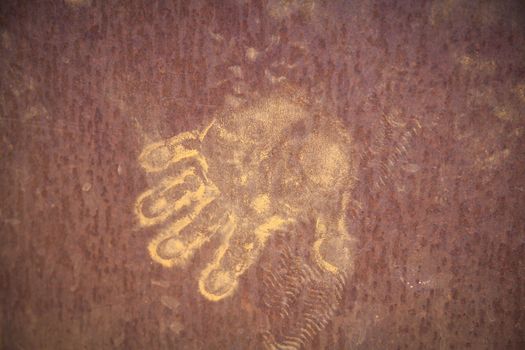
[254,170]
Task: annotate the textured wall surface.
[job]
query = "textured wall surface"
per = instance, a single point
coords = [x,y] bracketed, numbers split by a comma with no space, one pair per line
[431,93]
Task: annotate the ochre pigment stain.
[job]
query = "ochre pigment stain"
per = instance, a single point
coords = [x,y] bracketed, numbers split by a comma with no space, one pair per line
[250,172]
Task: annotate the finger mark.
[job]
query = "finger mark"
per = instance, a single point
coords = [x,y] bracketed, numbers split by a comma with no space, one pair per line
[154,205]
[160,150]
[179,250]
[216,284]
[247,247]
[169,248]
[168,251]
[233,258]
[159,156]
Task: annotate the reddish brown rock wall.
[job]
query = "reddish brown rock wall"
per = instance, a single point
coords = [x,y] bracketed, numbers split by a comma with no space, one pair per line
[432,95]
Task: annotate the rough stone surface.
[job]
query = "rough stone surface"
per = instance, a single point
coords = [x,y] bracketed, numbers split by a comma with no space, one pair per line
[86,84]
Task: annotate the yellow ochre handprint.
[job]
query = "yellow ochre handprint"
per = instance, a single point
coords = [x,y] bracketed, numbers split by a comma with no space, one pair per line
[254,170]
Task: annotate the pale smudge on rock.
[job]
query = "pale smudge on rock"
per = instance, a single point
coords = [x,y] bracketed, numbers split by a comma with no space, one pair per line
[170,302]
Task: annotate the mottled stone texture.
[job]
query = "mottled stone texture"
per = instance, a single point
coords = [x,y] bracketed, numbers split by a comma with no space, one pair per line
[84,85]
